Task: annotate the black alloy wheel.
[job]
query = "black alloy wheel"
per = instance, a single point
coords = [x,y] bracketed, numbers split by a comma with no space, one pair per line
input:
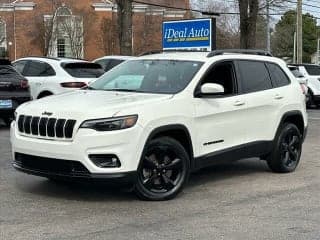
[286,154]
[163,170]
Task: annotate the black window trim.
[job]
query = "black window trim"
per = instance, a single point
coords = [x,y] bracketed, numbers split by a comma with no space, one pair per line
[196,92]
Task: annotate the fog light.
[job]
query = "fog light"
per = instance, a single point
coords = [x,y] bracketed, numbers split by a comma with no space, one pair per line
[105,160]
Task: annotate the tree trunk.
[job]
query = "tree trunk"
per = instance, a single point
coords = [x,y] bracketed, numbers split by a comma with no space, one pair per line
[248,20]
[125,26]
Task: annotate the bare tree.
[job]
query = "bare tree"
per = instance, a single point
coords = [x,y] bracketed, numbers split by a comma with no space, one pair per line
[248,19]
[72,27]
[125,26]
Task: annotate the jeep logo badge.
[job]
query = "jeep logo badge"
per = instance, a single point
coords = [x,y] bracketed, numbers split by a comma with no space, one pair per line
[47,113]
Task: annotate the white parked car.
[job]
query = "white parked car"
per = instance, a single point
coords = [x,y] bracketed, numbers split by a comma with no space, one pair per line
[153,120]
[109,62]
[301,79]
[48,76]
[312,73]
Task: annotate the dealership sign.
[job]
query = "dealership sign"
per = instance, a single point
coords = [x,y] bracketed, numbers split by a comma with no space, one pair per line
[189,34]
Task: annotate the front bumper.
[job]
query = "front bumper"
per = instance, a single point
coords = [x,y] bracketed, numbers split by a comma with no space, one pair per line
[126,144]
[64,169]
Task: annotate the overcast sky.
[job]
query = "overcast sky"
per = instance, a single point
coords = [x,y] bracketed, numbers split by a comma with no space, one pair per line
[313,10]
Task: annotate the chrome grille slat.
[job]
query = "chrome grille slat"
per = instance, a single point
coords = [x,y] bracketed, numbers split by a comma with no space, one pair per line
[46,127]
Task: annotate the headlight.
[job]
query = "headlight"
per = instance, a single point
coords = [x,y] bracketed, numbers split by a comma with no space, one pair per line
[110,124]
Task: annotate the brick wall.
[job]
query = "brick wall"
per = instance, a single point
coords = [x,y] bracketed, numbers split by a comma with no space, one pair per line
[100,27]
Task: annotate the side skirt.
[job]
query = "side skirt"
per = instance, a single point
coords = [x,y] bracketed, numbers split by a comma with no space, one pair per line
[248,150]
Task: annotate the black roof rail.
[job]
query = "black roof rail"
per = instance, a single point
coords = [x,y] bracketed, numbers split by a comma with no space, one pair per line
[168,50]
[240,51]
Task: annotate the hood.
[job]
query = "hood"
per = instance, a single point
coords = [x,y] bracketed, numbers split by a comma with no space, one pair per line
[89,104]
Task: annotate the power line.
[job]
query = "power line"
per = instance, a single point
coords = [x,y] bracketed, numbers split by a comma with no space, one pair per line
[216,13]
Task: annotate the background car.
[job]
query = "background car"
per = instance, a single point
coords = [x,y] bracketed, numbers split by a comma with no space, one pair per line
[48,76]
[14,90]
[109,62]
[301,79]
[312,73]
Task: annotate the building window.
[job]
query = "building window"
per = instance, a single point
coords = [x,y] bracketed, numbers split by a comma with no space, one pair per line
[67,34]
[61,47]
[3,39]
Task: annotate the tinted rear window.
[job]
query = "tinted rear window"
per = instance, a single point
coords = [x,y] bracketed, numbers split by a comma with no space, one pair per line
[313,70]
[8,72]
[83,70]
[296,72]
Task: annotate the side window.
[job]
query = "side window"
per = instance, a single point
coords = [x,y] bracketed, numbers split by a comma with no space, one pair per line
[278,77]
[254,76]
[39,69]
[103,63]
[223,74]
[19,66]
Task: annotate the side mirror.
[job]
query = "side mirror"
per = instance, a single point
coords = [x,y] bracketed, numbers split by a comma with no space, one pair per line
[211,89]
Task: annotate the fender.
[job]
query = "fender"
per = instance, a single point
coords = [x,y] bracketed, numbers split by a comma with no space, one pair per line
[291,114]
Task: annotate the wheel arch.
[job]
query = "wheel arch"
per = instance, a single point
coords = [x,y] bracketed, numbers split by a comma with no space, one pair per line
[295,117]
[178,132]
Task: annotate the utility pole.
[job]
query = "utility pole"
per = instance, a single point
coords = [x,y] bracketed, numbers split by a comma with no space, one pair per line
[268,26]
[295,47]
[299,31]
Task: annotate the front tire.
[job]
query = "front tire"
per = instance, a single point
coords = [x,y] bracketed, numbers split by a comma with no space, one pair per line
[286,153]
[163,171]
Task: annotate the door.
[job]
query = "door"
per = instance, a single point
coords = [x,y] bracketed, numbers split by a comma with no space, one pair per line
[38,74]
[220,119]
[262,100]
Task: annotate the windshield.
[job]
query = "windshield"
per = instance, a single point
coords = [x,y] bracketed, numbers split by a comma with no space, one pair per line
[83,69]
[313,70]
[150,76]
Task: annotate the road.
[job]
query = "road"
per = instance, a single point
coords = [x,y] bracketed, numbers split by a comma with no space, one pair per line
[243,200]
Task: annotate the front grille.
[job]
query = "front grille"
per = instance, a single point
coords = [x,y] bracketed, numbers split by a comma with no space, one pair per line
[46,127]
[50,165]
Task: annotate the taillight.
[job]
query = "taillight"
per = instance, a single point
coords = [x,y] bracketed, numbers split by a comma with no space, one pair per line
[24,84]
[73,84]
[304,89]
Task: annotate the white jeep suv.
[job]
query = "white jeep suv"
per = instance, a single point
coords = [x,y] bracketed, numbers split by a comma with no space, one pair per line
[153,120]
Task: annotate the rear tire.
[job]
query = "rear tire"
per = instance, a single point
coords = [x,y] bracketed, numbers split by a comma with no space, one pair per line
[286,152]
[163,171]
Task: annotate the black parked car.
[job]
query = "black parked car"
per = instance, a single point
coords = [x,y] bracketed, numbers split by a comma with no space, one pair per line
[14,90]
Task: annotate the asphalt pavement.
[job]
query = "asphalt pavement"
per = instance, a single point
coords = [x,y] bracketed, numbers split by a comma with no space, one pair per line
[243,200]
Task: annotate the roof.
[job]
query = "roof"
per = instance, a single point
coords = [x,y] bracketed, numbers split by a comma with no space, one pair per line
[208,56]
[51,60]
[120,57]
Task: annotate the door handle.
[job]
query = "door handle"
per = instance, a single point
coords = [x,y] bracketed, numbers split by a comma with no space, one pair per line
[238,103]
[278,97]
